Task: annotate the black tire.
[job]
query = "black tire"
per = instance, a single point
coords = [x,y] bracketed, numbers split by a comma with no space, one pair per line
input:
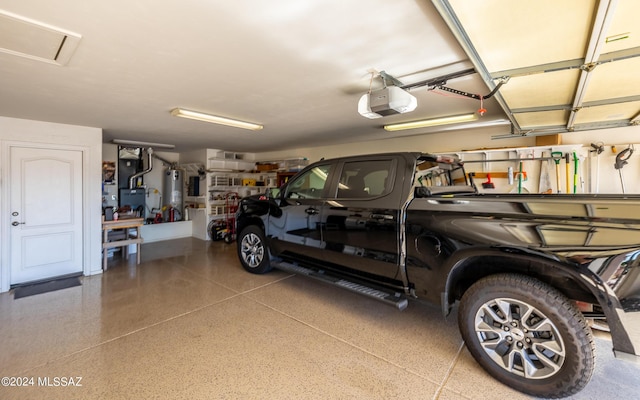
[252,250]
[548,353]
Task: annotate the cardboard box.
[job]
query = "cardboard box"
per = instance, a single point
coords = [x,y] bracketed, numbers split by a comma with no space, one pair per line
[261,167]
[549,140]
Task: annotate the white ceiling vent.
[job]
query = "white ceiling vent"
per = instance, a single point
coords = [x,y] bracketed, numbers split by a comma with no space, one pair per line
[24,37]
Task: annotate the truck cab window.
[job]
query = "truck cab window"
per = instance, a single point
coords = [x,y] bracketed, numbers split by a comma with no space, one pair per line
[310,184]
[360,179]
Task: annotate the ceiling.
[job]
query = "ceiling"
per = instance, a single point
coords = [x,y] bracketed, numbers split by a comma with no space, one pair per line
[300,67]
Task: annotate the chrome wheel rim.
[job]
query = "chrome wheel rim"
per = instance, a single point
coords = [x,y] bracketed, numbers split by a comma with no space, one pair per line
[252,250]
[520,338]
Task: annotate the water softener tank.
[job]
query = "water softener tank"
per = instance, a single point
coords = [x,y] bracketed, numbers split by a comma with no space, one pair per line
[173,187]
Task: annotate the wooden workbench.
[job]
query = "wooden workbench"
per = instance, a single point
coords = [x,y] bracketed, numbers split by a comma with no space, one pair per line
[125,224]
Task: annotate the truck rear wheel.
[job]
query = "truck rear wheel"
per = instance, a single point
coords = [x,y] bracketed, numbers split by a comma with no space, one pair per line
[252,250]
[527,335]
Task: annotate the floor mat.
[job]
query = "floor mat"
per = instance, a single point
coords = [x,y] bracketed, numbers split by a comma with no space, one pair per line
[44,287]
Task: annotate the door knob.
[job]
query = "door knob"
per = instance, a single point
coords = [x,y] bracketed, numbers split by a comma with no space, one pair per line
[16,223]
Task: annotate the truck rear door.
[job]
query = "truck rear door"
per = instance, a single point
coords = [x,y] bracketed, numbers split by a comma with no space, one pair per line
[360,227]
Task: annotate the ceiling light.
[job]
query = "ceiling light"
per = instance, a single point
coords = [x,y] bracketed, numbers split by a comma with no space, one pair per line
[431,122]
[134,143]
[181,112]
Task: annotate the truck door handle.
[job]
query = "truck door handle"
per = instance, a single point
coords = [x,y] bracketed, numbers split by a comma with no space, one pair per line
[387,217]
[431,201]
[311,211]
[16,223]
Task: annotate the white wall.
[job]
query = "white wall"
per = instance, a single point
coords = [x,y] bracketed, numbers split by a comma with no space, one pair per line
[430,143]
[89,140]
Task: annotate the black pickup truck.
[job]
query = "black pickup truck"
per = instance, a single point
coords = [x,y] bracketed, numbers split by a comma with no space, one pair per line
[531,273]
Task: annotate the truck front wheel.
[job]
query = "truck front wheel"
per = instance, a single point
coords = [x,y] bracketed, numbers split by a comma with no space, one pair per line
[527,335]
[252,250]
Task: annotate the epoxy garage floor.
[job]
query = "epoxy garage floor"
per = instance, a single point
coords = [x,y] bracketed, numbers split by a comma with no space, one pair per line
[190,323]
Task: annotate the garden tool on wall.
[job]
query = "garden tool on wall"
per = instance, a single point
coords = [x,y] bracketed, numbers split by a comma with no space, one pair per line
[567,165]
[575,172]
[521,176]
[488,184]
[621,161]
[544,186]
[557,156]
[597,148]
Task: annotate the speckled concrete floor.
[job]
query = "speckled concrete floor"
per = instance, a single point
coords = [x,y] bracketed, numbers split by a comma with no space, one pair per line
[189,323]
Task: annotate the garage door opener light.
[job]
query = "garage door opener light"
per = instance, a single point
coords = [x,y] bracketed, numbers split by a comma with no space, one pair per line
[431,122]
[214,119]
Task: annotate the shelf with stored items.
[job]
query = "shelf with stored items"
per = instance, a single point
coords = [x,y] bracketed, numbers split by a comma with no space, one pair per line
[283,177]
[242,182]
[195,203]
[294,164]
[284,169]
[195,196]
[225,188]
[228,161]
[220,172]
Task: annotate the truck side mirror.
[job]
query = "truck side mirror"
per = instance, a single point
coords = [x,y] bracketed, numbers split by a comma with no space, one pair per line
[272,193]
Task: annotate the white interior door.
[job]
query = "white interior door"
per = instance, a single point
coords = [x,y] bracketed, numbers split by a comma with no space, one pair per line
[45,213]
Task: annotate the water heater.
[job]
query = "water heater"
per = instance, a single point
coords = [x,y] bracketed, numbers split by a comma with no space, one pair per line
[173,188]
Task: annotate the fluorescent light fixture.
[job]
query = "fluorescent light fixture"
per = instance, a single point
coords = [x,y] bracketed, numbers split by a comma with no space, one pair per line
[615,38]
[198,116]
[135,143]
[431,122]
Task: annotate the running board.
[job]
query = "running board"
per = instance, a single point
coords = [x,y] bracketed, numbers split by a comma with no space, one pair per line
[396,300]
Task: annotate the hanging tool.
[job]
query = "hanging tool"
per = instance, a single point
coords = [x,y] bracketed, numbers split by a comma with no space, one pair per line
[621,161]
[520,178]
[597,148]
[557,156]
[544,186]
[567,165]
[488,184]
[575,173]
